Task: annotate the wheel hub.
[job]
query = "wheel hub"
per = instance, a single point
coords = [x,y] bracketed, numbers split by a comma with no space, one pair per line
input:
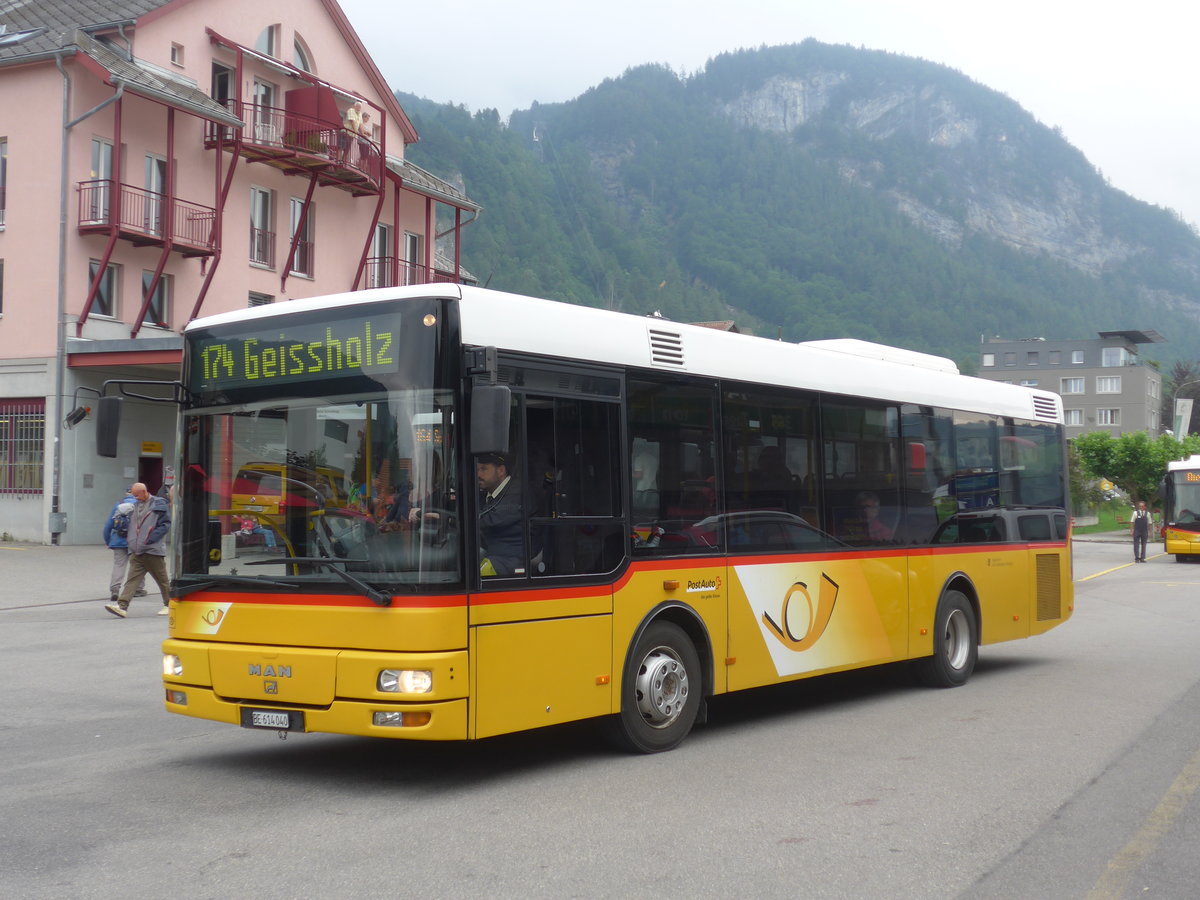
[662,687]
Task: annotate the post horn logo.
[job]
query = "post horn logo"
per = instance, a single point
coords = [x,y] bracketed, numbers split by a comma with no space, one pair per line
[818,615]
[213,616]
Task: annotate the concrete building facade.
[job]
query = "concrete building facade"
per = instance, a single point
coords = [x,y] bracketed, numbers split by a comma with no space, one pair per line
[1104,382]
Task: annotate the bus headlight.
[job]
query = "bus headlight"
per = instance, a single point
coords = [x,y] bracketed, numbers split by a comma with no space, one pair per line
[405,681]
[172,665]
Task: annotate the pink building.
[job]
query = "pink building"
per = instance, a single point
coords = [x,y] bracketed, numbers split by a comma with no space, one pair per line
[167,159]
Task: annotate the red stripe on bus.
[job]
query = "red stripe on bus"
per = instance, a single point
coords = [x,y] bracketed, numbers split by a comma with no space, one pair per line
[399,601]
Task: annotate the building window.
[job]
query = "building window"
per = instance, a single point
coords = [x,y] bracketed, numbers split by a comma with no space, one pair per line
[3,178]
[257,299]
[1072,386]
[1154,389]
[262,238]
[1108,417]
[1,287]
[1054,357]
[105,303]
[1031,358]
[176,54]
[268,41]
[268,119]
[1113,356]
[22,446]
[1077,357]
[413,267]
[1108,384]
[158,312]
[1073,416]
[301,57]
[989,360]
[1029,382]
[302,259]
[380,263]
[1010,358]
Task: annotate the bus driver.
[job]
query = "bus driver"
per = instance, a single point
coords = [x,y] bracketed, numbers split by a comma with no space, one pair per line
[502,545]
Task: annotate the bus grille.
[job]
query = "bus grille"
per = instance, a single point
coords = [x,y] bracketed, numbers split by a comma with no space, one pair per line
[666,348]
[1045,408]
[1049,588]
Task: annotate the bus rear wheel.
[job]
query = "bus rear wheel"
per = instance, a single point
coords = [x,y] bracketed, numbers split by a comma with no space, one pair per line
[660,691]
[955,644]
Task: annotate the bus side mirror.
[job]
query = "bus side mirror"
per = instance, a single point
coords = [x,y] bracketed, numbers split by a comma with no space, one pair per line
[490,404]
[108,425]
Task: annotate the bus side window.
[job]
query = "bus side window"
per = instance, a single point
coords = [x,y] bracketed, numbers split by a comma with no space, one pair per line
[575,521]
[672,433]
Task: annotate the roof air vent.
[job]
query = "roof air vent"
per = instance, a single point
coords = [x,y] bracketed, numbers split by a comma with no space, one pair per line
[1045,408]
[666,348]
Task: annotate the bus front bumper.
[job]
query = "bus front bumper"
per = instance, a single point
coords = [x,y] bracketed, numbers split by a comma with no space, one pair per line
[316,690]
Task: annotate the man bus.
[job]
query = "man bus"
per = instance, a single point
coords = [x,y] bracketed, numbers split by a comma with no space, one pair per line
[1180,491]
[689,509]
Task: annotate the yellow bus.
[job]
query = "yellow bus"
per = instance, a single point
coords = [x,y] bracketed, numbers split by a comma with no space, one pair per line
[1180,491]
[566,513]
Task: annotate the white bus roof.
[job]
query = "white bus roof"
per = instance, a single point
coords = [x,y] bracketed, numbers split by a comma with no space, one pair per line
[1178,465]
[565,331]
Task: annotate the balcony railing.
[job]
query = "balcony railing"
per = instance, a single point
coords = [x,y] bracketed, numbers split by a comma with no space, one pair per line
[262,247]
[270,133]
[146,216]
[387,271]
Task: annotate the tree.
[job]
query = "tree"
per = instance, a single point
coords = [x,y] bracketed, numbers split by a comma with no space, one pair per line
[1132,461]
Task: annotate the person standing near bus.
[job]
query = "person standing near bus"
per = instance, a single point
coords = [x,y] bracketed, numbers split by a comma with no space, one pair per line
[149,525]
[502,545]
[115,540]
[1140,529]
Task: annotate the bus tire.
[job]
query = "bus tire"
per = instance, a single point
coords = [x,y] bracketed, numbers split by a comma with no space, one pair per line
[660,692]
[955,644]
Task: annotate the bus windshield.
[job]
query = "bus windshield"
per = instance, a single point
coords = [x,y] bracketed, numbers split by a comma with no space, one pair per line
[1183,499]
[307,480]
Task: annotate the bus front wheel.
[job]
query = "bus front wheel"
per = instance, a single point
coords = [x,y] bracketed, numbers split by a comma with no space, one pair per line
[660,691]
[955,643]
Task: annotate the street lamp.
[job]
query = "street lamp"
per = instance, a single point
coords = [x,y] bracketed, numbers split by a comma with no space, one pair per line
[1175,409]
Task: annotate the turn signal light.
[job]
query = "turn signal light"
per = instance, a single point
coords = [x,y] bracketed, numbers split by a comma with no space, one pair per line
[398,719]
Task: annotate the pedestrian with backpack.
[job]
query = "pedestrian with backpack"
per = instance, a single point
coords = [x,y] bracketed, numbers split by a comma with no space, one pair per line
[149,525]
[115,529]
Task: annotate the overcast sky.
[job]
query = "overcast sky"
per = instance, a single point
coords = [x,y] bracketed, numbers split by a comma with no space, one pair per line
[1120,79]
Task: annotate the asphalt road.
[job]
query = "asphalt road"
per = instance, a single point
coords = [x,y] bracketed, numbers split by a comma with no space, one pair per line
[1067,767]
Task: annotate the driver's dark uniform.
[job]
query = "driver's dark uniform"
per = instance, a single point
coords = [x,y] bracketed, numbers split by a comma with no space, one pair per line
[500,530]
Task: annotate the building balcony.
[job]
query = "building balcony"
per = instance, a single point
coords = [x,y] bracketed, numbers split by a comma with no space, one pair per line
[146,218]
[388,271]
[302,145]
[262,247]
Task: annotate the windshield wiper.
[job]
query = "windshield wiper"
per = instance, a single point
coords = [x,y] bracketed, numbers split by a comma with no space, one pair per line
[376,596]
[225,579]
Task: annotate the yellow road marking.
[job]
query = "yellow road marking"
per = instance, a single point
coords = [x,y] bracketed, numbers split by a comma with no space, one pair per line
[1105,572]
[1114,569]
[1123,866]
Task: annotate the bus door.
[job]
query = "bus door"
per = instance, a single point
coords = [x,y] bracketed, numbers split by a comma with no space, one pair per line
[551,533]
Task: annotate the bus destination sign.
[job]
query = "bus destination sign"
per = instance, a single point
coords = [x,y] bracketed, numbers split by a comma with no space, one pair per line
[295,352]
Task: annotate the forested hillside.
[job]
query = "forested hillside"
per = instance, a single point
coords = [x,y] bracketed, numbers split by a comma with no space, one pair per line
[814,191]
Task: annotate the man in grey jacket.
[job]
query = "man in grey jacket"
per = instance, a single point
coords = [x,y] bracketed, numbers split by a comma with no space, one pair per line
[148,528]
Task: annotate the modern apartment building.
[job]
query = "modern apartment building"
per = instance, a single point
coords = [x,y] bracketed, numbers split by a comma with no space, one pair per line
[162,160]
[1104,383]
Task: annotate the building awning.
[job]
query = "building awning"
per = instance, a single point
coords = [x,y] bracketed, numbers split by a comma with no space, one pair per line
[1144,336]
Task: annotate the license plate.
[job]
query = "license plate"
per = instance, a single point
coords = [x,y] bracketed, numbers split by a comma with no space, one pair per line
[249,508]
[275,719]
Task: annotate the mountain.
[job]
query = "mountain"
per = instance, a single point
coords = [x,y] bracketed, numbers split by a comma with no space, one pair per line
[814,191]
